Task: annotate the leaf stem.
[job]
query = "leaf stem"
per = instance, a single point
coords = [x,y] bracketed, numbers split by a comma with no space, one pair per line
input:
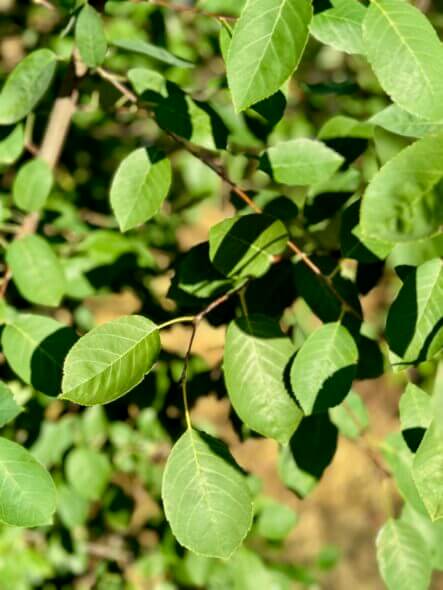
[179,320]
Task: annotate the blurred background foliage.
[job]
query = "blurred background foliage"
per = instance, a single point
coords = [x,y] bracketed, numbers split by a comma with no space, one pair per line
[110,532]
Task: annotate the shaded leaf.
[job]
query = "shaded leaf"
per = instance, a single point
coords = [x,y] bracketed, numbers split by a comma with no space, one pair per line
[323,370]
[256,359]
[157,53]
[9,408]
[88,472]
[11,145]
[414,328]
[351,416]
[35,347]
[276,521]
[244,246]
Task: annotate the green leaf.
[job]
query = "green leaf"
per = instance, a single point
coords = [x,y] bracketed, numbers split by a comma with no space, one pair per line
[72,508]
[340,26]
[432,533]
[399,459]
[244,246]
[256,358]
[413,327]
[11,146]
[205,496]
[88,472]
[351,416]
[54,439]
[396,120]
[9,408]
[139,187]
[406,56]
[27,492]
[145,80]
[90,37]
[427,470]
[300,162]
[267,44]
[403,557]
[35,347]
[110,360]
[36,270]
[403,201]
[323,370]
[32,185]
[276,521]
[157,53]
[415,408]
[26,85]
[198,277]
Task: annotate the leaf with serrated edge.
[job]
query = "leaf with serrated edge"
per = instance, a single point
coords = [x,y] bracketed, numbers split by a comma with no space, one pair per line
[427,470]
[406,55]
[27,492]
[341,26]
[36,270]
[110,360]
[266,47]
[206,499]
[415,408]
[323,370]
[26,85]
[139,187]
[256,358]
[403,201]
[413,326]
[403,557]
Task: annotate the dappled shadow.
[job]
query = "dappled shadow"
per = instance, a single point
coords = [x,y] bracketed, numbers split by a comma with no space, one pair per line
[314,443]
[47,361]
[237,242]
[413,437]
[334,389]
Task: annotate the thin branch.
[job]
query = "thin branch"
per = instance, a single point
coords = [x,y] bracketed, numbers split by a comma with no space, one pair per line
[115,81]
[206,158]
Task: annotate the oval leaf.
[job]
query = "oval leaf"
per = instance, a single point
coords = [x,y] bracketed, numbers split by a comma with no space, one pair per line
[266,47]
[139,187]
[26,85]
[27,492]
[35,347]
[206,499]
[11,146]
[413,327]
[256,358]
[403,557]
[427,470]
[406,56]
[403,202]
[36,270]
[300,162]
[323,370]
[110,360]
[90,37]
[88,471]
[244,246]
[32,185]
